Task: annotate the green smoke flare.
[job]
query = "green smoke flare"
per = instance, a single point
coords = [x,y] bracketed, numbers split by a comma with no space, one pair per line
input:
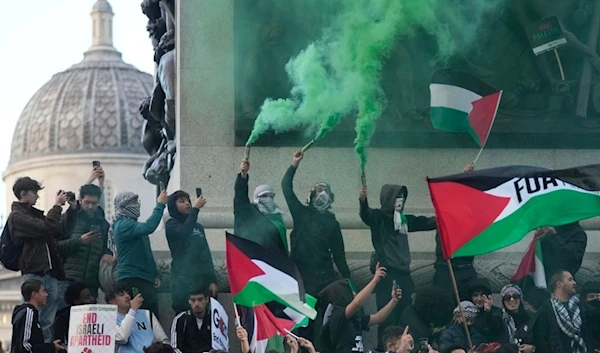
[340,73]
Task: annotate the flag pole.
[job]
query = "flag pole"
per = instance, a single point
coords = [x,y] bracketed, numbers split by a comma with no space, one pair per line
[562,72]
[291,334]
[237,315]
[458,301]
[490,130]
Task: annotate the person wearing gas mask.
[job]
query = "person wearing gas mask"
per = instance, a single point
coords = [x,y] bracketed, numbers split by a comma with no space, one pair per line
[389,235]
[261,220]
[590,310]
[316,238]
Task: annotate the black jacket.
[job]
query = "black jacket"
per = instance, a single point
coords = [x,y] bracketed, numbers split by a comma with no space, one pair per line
[390,245]
[548,337]
[316,237]
[185,336]
[82,262]
[36,233]
[61,324]
[564,250]
[250,223]
[189,248]
[27,336]
[489,323]
[591,323]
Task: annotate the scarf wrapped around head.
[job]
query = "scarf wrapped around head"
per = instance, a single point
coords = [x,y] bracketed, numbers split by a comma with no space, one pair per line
[469,309]
[123,210]
[507,317]
[266,204]
[322,201]
[568,317]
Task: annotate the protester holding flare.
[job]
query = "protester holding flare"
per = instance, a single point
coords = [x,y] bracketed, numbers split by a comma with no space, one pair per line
[261,220]
[389,234]
[316,238]
[316,232]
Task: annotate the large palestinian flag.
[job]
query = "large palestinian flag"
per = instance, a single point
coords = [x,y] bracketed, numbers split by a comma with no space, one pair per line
[481,211]
[258,276]
[460,102]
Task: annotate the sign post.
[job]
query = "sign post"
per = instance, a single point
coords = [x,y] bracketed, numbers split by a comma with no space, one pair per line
[547,35]
[92,329]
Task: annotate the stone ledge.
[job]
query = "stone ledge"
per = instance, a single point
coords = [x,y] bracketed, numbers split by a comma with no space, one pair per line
[222,217]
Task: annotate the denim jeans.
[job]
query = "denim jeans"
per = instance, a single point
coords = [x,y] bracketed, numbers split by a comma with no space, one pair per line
[62,289]
[48,312]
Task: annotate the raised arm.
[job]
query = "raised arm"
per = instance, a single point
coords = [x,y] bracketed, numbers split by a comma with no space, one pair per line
[366,214]
[287,185]
[361,298]
[28,226]
[138,229]
[385,312]
[241,186]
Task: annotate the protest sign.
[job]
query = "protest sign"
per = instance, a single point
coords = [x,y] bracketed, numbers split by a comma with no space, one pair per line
[218,326]
[92,329]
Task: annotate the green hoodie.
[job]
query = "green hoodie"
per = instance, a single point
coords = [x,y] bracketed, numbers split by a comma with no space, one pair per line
[135,259]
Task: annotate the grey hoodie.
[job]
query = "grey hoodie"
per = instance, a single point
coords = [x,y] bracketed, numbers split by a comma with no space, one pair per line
[392,246]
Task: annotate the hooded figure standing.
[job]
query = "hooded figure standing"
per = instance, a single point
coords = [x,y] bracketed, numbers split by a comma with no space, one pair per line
[192,263]
[389,234]
[316,238]
[261,220]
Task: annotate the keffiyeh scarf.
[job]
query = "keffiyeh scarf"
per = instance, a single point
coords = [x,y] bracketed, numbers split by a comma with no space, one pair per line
[568,317]
[122,210]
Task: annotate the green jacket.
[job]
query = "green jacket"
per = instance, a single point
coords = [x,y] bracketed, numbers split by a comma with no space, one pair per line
[82,262]
[134,259]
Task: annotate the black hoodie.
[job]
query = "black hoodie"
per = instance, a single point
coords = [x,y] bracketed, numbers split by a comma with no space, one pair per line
[189,248]
[61,324]
[390,245]
[564,250]
[27,336]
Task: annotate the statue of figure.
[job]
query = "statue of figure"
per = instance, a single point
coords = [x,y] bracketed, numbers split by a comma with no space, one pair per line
[162,105]
[531,11]
[151,138]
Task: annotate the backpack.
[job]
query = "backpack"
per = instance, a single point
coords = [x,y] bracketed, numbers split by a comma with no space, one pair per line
[9,251]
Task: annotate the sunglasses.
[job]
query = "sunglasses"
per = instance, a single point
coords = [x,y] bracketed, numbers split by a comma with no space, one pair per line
[512,296]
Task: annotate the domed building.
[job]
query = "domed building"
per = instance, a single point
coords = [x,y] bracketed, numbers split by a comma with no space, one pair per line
[87,112]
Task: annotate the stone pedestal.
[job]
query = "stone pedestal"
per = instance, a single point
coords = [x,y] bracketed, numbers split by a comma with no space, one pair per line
[207,158]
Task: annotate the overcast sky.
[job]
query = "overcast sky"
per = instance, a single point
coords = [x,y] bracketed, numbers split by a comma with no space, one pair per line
[42,37]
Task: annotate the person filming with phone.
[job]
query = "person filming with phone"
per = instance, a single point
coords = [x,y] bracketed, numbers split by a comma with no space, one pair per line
[192,262]
[84,245]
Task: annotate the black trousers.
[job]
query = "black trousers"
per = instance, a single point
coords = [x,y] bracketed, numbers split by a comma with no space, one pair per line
[146,289]
[313,284]
[383,294]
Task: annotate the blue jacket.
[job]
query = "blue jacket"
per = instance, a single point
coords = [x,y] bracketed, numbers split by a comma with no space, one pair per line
[455,334]
[135,258]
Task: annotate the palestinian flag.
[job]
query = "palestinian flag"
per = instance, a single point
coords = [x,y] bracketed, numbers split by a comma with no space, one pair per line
[532,264]
[460,102]
[258,276]
[482,211]
[261,325]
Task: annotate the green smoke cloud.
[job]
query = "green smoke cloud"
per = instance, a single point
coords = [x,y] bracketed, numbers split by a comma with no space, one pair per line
[340,73]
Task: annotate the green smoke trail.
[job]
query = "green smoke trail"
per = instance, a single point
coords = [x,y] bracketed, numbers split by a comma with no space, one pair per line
[340,73]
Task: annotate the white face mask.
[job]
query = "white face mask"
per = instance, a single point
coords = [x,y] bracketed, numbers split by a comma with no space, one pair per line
[399,204]
[322,201]
[268,202]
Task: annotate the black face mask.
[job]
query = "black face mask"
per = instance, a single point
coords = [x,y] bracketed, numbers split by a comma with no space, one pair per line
[594,303]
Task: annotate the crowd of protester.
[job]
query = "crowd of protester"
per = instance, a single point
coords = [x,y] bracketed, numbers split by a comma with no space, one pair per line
[63,254]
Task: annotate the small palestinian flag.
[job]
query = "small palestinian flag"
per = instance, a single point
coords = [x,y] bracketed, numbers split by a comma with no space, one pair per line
[460,102]
[261,325]
[532,264]
[482,211]
[258,276]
